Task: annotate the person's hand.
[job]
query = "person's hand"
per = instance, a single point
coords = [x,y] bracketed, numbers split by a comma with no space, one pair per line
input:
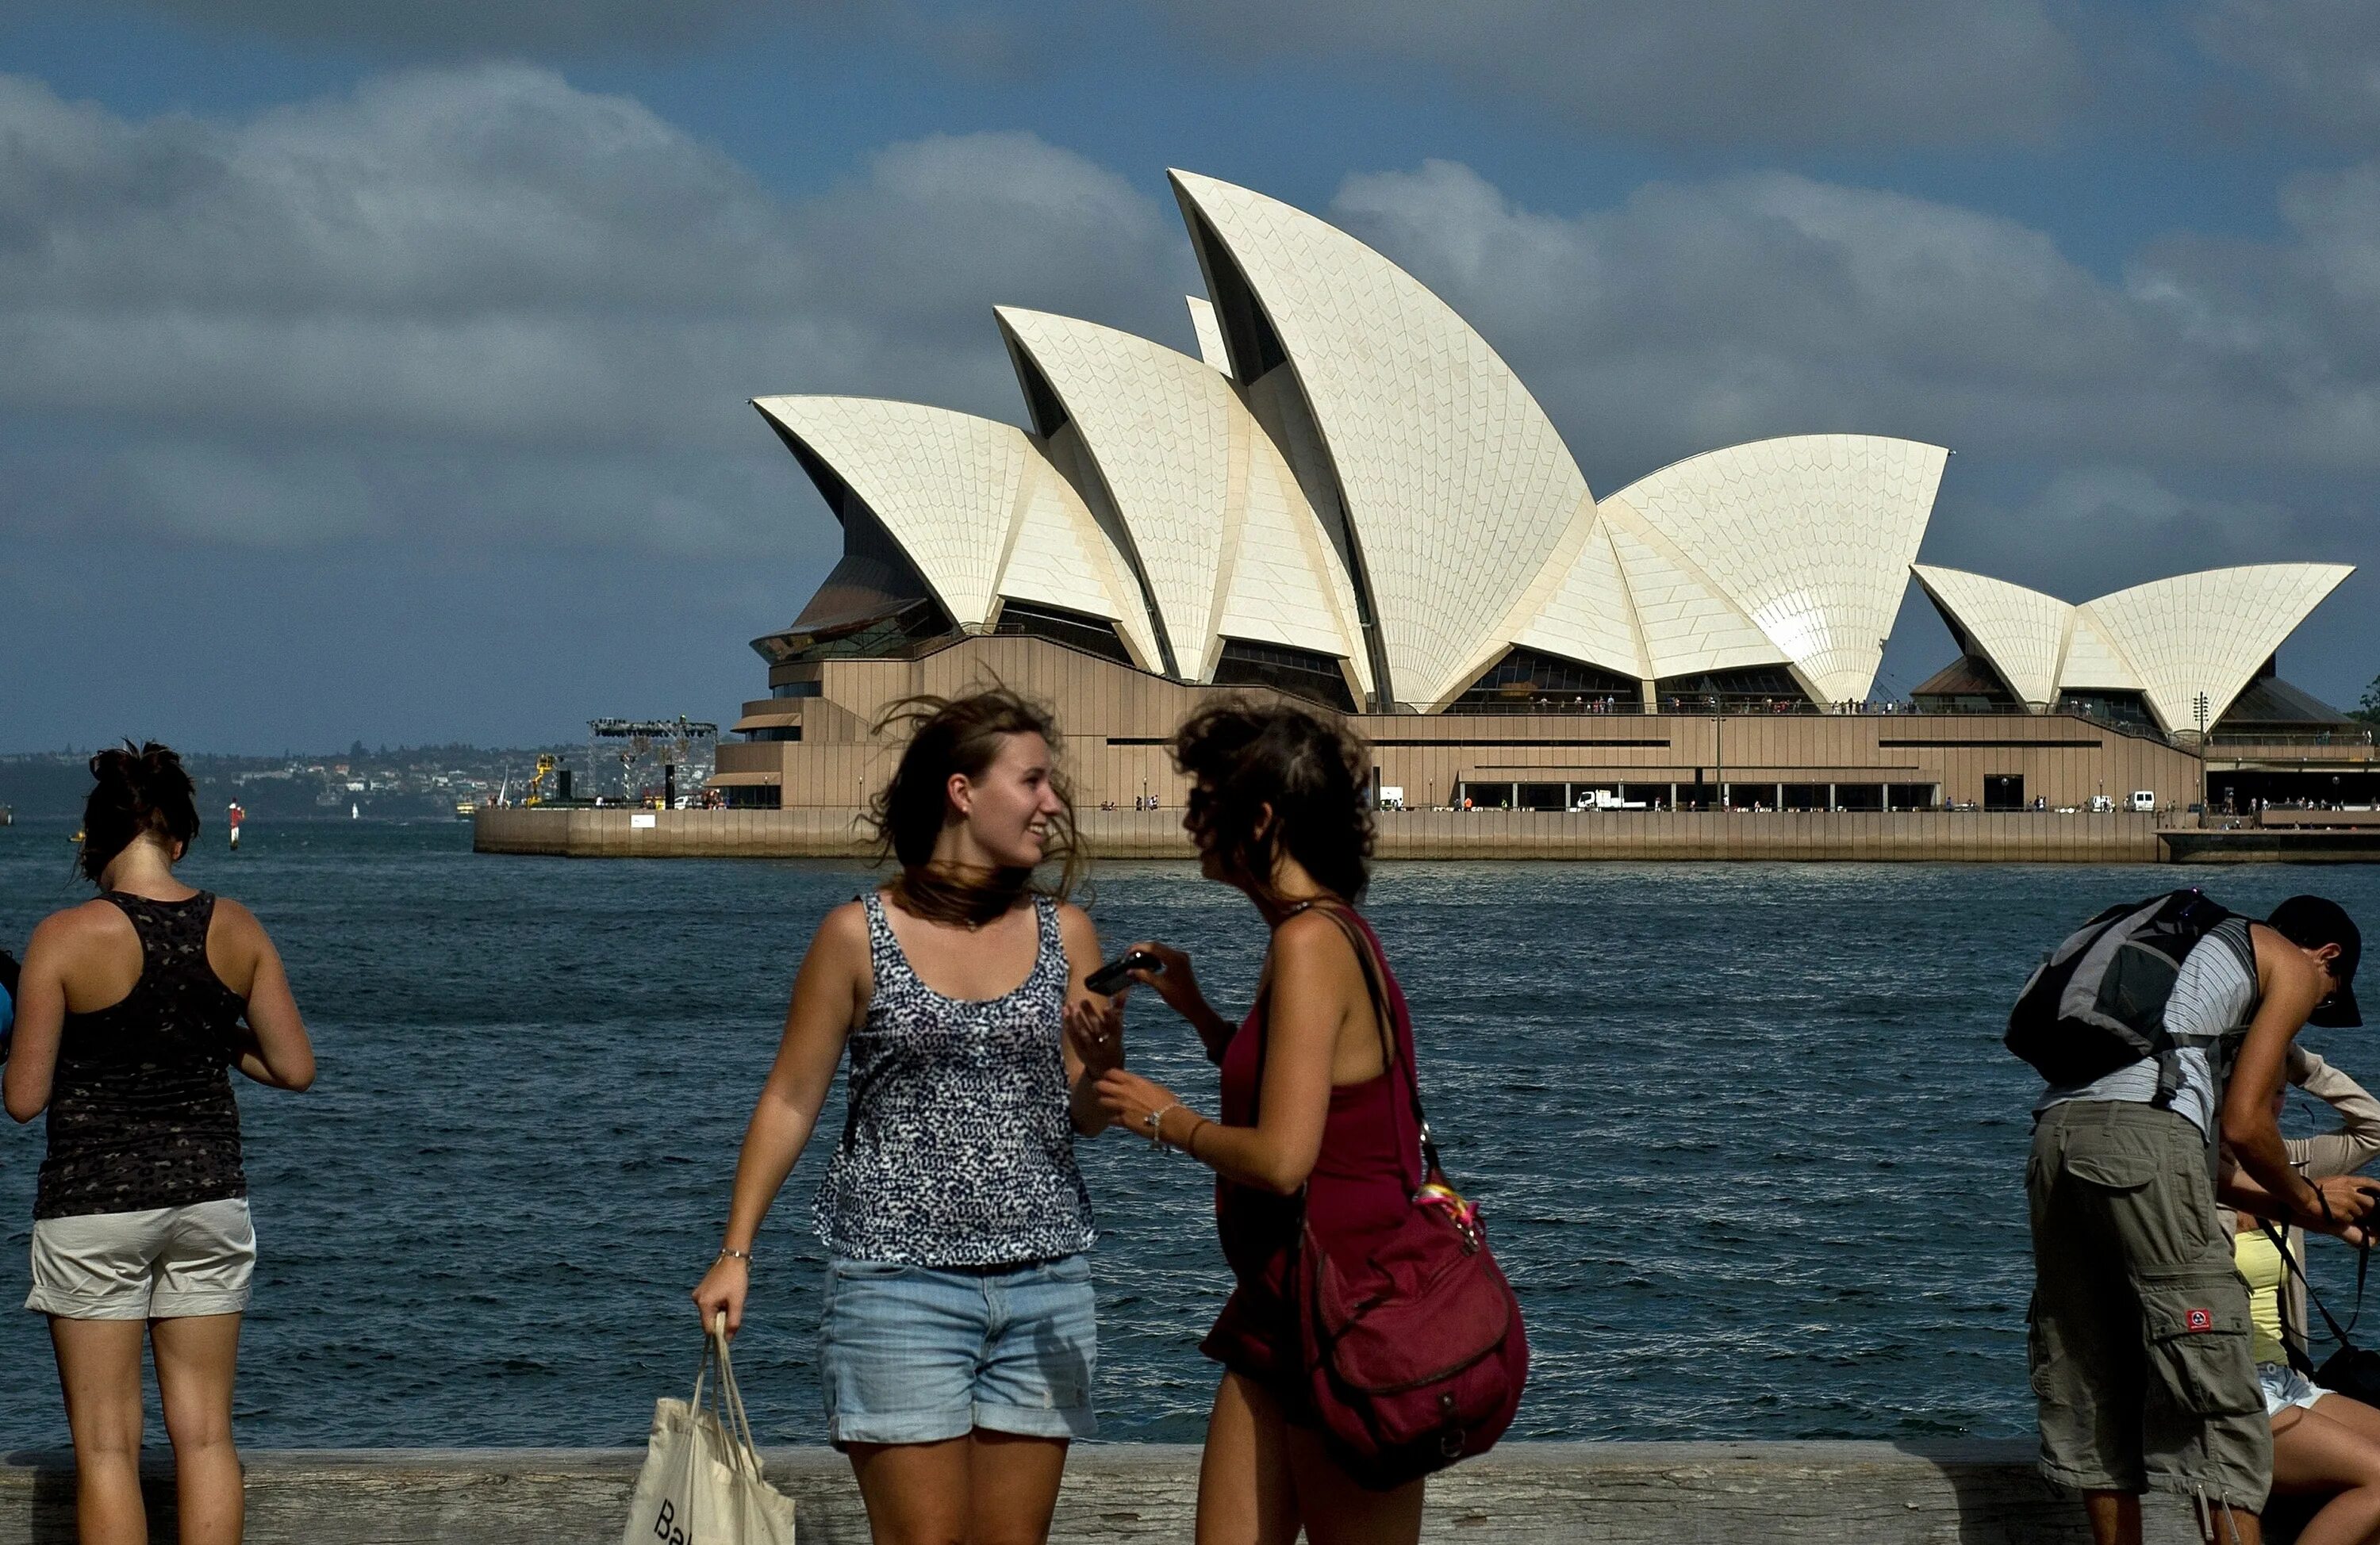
[1095,1032]
[2347,1198]
[1130,1100]
[1174,981]
[724,1289]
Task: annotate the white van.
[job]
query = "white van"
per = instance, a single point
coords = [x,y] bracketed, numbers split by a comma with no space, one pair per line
[2144,800]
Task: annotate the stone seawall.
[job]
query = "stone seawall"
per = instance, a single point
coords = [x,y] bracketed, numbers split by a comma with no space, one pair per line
[1976,1493]
[1929,837]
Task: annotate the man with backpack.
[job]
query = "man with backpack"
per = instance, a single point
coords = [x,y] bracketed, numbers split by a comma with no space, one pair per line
[2140,1335]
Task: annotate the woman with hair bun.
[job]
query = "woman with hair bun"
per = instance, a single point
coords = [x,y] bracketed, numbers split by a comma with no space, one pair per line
[958,1345]
[1311,1105]
[131,1011]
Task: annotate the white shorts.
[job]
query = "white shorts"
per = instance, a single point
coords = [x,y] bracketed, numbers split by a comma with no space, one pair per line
[2285,1387]
[164,1263]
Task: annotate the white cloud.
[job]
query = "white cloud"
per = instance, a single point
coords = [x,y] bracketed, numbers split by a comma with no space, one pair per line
[1696,314]
[447,272]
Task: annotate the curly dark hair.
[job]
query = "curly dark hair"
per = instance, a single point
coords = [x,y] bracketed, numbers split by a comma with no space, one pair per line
[1242,756]
[962,734]
[139,791]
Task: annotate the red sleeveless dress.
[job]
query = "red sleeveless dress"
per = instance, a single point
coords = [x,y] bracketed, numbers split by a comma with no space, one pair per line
[1362,1183]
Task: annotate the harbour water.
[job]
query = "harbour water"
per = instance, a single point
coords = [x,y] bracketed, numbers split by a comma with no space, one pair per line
[1746,1136]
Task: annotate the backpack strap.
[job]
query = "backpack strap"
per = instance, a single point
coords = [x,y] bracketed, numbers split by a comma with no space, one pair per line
[2298,1358]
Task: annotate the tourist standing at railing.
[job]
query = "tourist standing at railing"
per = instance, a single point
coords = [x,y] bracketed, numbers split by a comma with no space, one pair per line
[958,1345]
[1311,1108]
[132,1010]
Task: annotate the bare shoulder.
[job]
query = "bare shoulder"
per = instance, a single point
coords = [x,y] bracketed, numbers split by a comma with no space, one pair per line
[92,922]
[842,928]
[1313,941]
[238,919]
[1075,925]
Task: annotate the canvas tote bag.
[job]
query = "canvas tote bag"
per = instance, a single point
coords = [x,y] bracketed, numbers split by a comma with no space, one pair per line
[702,1483]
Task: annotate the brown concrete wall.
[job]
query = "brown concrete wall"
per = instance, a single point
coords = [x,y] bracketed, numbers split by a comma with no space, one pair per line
[1117,722]
[2022,837]
[1978,1493]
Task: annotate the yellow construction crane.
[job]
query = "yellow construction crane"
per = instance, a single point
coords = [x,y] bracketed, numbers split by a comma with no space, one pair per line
[536,794]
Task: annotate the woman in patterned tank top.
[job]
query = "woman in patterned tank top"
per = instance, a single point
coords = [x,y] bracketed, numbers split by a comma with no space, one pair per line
[132,1011]
[958,1347]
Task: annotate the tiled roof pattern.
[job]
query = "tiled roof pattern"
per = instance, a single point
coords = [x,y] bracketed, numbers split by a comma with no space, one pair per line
[944,484]
[1458,486]
[1811,535]
[2021,631]
[1582,609]
[1687,623]
[2208,632]
[2092,660]
[1210,333]
[1227,540]
[973,504]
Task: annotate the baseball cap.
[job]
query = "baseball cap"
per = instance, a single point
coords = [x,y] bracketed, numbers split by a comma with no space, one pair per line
[2313,921]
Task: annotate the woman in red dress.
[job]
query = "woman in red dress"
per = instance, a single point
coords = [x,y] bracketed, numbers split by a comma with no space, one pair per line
[1309,1106]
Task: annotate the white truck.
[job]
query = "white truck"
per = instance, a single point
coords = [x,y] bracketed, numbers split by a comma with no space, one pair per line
[1604,799]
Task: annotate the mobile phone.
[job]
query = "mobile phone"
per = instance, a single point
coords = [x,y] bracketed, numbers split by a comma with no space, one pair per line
[1117,973]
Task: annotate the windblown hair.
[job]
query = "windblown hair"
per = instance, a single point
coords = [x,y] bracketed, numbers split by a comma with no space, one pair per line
[137,793]
[963,735]
[1242,756]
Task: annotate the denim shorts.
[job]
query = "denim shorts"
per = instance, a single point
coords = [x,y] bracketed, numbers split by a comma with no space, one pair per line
[921,1354]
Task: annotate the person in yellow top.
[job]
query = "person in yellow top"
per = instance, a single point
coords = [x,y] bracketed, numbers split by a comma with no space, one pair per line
[2324,1443]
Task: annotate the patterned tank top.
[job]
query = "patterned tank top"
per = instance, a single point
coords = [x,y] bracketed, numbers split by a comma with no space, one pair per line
[141,1113]
[957,1146]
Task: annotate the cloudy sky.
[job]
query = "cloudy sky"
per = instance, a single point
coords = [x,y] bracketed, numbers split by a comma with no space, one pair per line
[380,371]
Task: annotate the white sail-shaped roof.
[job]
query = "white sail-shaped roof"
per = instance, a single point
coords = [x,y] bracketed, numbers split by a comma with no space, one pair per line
[1209,332]
[2168,640]
[1688,623]
[974,504]
[2021,632]
[1455,484]
[1810,537]
[2092,663]
[2208,632]
[1226,540]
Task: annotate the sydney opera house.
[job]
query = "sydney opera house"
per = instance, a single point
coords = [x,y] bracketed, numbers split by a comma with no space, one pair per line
[1349,497]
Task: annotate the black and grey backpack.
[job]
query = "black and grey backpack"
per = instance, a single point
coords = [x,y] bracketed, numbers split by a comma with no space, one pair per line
[2098,1004]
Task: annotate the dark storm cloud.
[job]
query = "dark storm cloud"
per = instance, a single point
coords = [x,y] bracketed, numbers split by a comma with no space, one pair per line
[1770,71]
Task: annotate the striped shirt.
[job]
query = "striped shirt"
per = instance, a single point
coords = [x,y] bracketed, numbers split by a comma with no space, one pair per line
[2213,992]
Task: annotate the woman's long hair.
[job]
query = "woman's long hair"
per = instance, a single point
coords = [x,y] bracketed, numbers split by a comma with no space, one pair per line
[137,791]
[963,734]
[1242,756]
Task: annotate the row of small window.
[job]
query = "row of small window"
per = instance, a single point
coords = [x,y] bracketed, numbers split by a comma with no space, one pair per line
[1698,796]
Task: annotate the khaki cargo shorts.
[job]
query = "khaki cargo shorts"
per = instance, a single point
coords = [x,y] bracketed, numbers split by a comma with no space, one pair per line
[161,1263]
[2140,1333]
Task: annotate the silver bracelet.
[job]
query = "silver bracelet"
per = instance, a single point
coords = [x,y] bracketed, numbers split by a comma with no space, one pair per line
[1157,1124]
[727,1254]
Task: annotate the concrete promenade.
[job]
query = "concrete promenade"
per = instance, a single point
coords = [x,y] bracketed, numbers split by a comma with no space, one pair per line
[1975,1493]
[1931,837]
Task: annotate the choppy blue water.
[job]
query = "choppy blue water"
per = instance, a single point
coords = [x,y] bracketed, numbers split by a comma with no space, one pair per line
[1747,1140]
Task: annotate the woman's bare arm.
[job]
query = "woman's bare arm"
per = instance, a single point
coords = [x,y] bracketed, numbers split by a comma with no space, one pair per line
[1092,1038]
[41,1018]
[830,995]
[279,1053]
[1315,998]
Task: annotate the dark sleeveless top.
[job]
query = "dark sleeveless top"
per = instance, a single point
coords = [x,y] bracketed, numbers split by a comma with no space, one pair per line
[1362,1183]
[958,1145]
[141,1113]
